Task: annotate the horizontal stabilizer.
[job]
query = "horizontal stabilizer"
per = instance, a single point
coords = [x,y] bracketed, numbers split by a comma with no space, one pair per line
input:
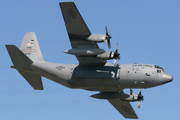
[33,79]
[17,56]
[23,64]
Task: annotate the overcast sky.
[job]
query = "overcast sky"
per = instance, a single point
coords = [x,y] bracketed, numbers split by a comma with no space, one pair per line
[148,31]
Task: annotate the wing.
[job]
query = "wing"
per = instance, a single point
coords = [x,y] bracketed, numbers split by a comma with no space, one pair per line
[77,32]
[124,108]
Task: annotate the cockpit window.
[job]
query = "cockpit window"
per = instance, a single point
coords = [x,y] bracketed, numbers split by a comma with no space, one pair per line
[158,71]
[156,66]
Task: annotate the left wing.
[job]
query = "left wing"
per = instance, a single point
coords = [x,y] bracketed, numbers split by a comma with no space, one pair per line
[124,108]
[77,32]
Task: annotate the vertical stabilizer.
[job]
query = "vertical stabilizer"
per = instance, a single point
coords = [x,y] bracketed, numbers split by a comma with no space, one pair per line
[30,47]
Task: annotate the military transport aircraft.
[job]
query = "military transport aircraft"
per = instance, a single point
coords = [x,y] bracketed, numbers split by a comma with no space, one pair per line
[93,72]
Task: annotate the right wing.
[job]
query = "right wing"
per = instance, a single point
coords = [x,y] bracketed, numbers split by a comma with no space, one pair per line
[124,108]
[77,32]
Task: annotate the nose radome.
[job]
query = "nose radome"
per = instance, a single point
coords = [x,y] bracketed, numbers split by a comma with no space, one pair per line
[167,78]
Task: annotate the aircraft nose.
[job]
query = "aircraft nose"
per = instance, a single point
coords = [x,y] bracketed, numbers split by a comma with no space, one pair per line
[167,78]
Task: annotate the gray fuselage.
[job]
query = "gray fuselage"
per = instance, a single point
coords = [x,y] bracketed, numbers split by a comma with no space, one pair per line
[103,78]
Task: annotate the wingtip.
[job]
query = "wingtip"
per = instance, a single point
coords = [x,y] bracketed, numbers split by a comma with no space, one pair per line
[9,45]
[66,2]
[39,88]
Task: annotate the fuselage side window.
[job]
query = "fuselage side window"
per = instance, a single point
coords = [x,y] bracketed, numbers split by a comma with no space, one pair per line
[158,71]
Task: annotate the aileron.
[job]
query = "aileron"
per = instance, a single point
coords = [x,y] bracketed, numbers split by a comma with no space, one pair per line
[73,19]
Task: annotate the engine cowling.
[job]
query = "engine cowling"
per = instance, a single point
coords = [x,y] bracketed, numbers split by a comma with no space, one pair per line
[134,97]
[110,95]
[116,95]
[100,38]
[108,55]
[97,38]
[84,51]
[131,98]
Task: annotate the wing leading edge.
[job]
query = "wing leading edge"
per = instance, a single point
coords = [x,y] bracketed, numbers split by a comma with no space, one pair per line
[124,108]
[77,32]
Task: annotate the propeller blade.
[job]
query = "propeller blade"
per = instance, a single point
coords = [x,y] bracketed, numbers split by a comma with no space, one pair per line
[116,54]
[109,44]
[140,98]
[117,48]
[108,37]
[106,31]
[115,62]
[140,92]
[139,103]
[131,91]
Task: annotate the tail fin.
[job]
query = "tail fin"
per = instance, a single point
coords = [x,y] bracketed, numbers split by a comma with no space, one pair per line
[30,47]
[23,63]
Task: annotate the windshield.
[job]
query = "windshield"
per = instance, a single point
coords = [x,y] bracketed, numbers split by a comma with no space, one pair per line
[156,66]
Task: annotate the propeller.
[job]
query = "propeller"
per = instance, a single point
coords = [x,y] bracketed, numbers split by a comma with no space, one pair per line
[131,91]
[116,55]
[108,37]
[140,98]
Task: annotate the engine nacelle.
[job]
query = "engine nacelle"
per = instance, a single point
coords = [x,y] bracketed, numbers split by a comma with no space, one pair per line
[116,95]
[108,55]
[84,51]
[111,95]
[131,98]
[96,38]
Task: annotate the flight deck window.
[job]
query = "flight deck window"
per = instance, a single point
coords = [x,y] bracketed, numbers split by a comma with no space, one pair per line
[156,66]
[158,71]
